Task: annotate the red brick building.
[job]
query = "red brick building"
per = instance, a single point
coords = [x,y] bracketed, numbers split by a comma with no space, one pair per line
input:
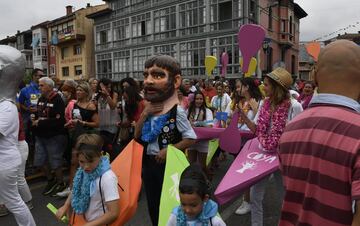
[281,19]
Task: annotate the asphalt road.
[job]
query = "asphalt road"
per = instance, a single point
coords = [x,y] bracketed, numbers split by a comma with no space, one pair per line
[43,217]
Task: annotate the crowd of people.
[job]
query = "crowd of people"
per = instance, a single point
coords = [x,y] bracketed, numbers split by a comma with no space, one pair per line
[312,125]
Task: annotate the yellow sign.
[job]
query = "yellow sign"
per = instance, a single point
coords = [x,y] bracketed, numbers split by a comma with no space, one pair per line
[210,63]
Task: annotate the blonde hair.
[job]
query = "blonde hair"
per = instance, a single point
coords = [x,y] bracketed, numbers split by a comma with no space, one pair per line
[93,141]
[86,87]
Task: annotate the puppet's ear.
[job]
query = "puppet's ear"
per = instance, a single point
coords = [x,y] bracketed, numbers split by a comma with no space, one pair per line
[178,81]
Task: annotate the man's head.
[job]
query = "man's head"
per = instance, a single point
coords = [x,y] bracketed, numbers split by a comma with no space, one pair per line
[162,76]
[36,75]
[338,69]
[12,71]
[46,85]
[186,84]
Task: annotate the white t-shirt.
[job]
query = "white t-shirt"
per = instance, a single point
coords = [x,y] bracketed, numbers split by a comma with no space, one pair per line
[216,221]
[110,192]
[220,104]
[9,131]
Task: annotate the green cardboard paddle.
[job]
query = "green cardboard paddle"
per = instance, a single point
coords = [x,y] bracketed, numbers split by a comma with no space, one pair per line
[53,209]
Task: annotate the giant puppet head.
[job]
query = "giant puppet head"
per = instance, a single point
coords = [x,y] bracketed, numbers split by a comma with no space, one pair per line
[162,76]
[12,70]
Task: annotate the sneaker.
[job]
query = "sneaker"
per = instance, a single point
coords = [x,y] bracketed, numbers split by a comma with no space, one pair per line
[243,209]
[65,193]
[49,187]
[3,211]
[58,188]
[29,205]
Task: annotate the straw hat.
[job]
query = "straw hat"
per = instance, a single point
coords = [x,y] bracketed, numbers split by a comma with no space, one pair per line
[282,77]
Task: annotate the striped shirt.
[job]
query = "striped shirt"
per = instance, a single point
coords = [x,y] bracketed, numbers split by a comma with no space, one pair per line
[320,161]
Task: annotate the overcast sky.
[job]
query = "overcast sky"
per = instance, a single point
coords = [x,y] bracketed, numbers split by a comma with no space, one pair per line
[324,16]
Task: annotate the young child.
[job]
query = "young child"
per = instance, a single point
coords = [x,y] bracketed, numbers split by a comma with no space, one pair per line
[196,208]
[199,116]
[95,189]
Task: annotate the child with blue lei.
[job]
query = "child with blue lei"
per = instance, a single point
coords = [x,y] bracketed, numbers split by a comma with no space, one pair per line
[196,208]
[95,192]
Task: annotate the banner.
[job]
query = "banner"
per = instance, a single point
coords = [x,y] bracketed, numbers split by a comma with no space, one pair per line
[176,162]
[250,166]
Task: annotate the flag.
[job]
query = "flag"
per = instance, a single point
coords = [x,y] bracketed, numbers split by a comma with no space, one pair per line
[176,162]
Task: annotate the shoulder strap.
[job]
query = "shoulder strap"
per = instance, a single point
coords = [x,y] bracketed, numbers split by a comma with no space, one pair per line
[211,221]
[102,200]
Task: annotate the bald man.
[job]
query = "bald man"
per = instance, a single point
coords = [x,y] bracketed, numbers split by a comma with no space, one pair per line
[320,149]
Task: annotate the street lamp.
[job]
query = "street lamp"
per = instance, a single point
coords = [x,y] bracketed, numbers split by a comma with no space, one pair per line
[265,46]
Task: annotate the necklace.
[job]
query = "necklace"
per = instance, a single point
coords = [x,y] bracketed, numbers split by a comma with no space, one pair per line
[271,124]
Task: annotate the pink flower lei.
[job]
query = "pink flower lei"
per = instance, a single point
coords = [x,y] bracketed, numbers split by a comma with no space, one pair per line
[269,134]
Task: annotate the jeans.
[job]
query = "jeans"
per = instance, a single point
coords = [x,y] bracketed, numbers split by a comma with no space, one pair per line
[257,193]
[10,196]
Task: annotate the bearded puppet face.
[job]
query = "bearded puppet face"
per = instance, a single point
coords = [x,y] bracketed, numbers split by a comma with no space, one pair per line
[12,70]
[159,85]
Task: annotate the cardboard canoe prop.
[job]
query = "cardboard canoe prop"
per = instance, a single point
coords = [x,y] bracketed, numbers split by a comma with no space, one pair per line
[206,133]
[230,139]
[252,66]
[250,166]
[313,49]
[210,64]
[250,38]
[176,162]
[224,63]
[127,167]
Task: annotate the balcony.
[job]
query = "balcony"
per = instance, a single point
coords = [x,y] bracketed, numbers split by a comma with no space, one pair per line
[286,39]
[67,37]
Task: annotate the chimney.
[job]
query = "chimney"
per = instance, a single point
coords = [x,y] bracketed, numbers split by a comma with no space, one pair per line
[358,32]
[88,5]
[68,10]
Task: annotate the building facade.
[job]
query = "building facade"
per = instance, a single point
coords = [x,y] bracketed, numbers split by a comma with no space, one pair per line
[129,32]
[281,47]
[40,46]
[71,44]
[23,44]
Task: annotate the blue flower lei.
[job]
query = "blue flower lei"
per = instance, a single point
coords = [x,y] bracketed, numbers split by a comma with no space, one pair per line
[181,217]
[84,185]
[149,134]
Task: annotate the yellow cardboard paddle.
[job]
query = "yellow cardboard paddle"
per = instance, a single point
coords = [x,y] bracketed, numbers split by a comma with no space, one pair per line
[53,209]
[210,63]
[252,66]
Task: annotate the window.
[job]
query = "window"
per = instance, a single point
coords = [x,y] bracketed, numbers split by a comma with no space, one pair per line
[103,37]
[290,25]
[165,23]
[270,18]
[65,71]
[52,69]
[104,65]
[64,52]
[78,70]
[192,17]
[166,50]
[77,49]
[121,64]
[292,64]
[229,45]
[52,51]
[192,58]
[139,58]
[283,26]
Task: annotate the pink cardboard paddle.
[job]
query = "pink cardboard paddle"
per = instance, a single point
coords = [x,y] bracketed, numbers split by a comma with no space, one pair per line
[230,139]
[250,166]
[250,38]
[224,63]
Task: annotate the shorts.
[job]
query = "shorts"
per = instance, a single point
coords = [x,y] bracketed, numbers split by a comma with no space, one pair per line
[50,150]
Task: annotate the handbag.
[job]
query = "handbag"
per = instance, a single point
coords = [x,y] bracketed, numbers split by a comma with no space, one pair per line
[123,134]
